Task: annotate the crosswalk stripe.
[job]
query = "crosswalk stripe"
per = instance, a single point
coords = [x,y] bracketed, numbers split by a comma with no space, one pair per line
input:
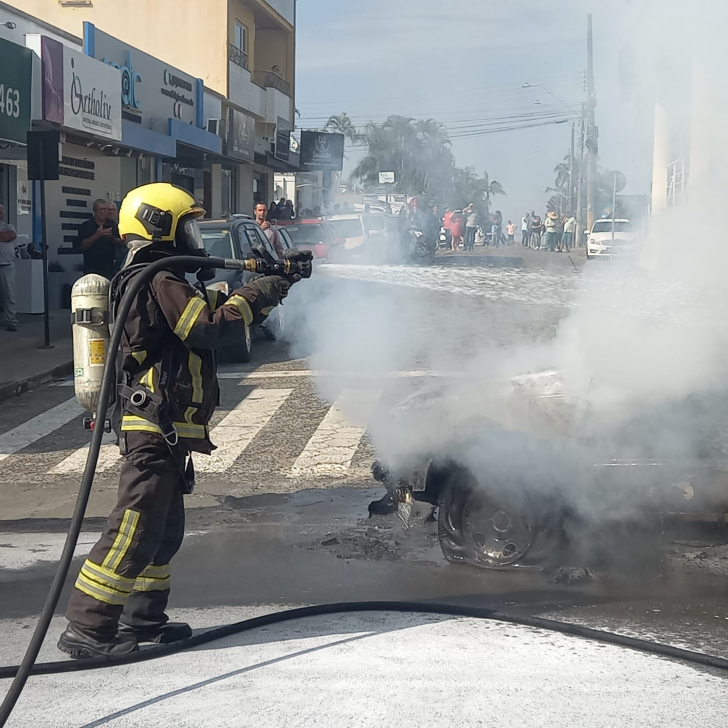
[332,447]
[238,428]
[299,373]
[76,461]
[34,429]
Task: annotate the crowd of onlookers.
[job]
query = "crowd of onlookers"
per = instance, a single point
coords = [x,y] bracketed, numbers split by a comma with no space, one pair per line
[281,210]
[555,233]
[464,228]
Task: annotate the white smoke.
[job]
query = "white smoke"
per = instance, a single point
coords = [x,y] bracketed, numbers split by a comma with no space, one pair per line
[629,340]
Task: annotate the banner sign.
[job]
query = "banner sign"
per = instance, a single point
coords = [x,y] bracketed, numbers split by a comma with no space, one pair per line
[241,136]
[321,151]
[79,92]
[283,139]
[151,90]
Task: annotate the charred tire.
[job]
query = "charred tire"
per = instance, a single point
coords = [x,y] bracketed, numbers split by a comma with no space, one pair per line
[478,527]
[242,351]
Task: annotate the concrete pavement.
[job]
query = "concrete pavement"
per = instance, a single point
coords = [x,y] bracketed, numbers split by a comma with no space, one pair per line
[378,669]
[24,364]
[264,534]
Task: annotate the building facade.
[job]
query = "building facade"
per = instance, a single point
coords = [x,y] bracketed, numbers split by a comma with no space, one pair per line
[243,54]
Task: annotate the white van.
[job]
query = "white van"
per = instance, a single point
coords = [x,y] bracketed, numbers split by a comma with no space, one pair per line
[366,236]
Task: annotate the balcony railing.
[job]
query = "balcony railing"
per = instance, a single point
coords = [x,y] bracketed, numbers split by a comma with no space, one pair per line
[238,56]
[678,175]
[270,79]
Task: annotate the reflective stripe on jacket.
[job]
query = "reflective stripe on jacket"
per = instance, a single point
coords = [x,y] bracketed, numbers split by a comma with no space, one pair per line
[168,347]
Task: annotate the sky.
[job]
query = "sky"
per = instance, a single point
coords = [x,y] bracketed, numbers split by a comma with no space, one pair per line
[464,63]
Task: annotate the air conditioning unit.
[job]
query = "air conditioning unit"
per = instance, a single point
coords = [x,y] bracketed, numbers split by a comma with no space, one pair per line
[216,126]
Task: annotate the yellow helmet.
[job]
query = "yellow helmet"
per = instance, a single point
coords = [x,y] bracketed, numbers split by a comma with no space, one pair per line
[153,212]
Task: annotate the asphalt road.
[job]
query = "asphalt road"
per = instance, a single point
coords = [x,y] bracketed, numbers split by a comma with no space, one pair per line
[279,518]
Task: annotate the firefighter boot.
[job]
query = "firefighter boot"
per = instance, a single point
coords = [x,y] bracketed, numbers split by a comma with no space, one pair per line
[81,645]
[162,634]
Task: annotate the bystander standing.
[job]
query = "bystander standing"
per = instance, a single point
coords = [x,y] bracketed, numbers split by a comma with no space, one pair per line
[569,232]
[7,272]
[98,239]
[261,217]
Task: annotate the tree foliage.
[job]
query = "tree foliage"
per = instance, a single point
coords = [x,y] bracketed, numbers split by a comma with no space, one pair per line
[419,153]
[342,124]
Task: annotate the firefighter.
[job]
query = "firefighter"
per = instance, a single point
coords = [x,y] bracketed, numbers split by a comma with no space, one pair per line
[167,393]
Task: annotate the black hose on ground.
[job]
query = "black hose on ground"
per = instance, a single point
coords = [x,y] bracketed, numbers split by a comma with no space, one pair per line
[319,610]
[107,385]
[27,666]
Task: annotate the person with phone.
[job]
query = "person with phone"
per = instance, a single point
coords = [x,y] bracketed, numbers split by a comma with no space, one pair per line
[98,240]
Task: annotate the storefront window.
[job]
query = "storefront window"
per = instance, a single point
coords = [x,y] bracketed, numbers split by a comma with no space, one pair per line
[16,195]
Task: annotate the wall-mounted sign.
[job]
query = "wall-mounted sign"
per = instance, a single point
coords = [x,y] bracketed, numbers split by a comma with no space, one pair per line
[79,92]
[320,151]
[16,69]
[151,91]
[283,139]
[241,136]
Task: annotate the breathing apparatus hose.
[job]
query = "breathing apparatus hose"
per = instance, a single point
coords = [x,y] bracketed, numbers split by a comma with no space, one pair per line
[107,386]
[27,666]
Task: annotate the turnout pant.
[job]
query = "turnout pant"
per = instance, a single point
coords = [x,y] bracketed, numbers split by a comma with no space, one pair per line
[126,576]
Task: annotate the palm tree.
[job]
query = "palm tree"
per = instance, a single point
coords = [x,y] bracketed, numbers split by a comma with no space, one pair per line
[342,124]
[490,189]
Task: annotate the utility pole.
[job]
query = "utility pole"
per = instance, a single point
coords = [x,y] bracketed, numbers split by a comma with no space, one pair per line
[580,219]
[592,133]
[570,202]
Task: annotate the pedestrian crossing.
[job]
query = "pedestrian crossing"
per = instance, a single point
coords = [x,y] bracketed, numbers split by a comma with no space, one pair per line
[237,429]
[332,447]
[327,438]
[38,427]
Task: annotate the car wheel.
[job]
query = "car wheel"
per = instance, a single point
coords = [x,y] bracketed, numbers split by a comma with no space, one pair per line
[479,526]
[242,351]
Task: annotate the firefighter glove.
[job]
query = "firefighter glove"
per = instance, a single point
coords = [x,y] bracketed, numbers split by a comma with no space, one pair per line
[265,293]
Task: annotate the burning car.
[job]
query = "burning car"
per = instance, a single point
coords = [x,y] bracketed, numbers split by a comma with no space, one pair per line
[515,469]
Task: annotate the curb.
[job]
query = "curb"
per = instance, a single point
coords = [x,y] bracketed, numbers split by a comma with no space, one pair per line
[15,388]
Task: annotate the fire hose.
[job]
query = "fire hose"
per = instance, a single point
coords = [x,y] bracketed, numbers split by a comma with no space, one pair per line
[27,667]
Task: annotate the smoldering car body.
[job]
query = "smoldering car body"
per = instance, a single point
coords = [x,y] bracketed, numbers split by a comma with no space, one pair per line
[513,468]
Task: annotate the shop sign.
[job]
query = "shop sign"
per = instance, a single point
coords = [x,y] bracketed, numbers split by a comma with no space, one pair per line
[322,152]
[283,139]
[79,92]
[241,136]
[16,73]
[150,89]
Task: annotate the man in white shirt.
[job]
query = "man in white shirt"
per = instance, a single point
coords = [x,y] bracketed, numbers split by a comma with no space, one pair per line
[7,271]
[569,231]
[525,229]
[261,217]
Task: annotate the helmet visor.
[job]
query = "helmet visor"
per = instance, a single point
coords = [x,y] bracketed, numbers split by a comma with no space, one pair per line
[192,238]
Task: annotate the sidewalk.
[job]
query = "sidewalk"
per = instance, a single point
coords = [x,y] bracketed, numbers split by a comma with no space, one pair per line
[23,364]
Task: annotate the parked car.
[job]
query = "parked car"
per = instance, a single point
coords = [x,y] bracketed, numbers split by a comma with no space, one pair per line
[599,243]
[238,237]
[317,235]
[518,469]
[366,238]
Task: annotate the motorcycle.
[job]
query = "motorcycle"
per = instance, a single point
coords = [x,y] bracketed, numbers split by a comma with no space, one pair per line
[416,248]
